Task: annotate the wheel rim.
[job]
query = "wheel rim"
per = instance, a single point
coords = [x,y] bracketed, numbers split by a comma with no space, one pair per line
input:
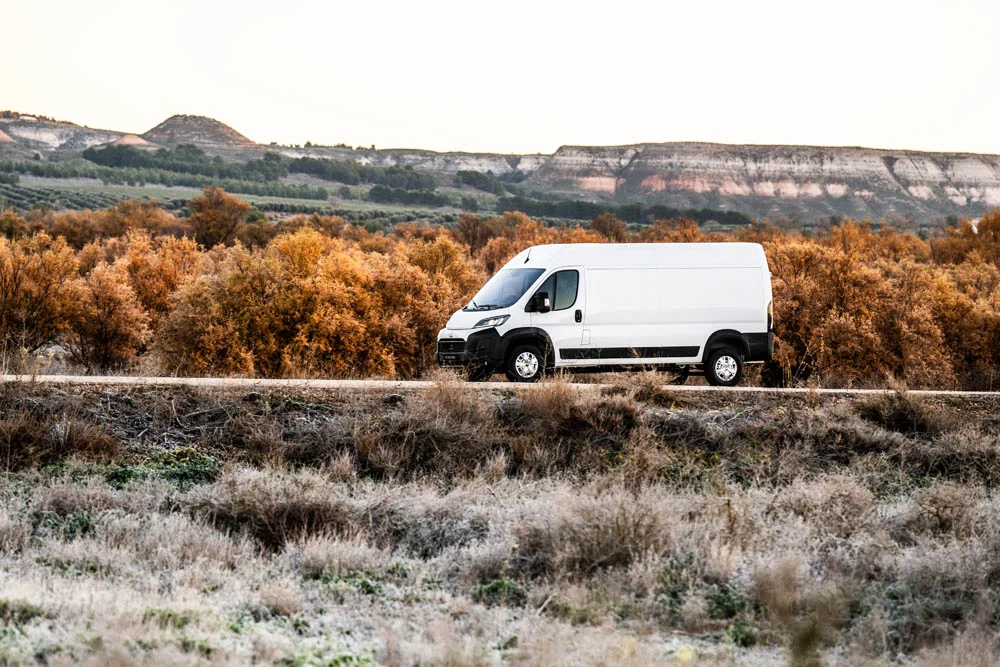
[725,368]
[526,364]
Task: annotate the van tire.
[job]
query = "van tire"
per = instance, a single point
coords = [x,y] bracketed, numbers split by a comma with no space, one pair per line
[525,363]
[724,368]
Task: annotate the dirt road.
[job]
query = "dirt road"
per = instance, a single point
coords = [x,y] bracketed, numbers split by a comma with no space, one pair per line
[399,385]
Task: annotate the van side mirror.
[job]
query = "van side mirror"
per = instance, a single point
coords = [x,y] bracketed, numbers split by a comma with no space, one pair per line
[538,303]
[542,302]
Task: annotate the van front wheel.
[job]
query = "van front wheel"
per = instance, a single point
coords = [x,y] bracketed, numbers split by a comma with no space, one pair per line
[724,368]
[525,363]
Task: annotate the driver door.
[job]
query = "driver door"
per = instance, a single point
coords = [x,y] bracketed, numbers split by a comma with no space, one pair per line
[565,320]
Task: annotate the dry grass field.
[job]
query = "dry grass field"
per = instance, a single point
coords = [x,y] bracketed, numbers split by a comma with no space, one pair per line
[626,526]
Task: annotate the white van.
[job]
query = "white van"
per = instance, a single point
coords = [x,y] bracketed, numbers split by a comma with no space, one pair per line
[591,306]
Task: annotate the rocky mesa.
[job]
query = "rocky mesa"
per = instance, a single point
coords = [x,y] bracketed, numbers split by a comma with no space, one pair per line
[797,181]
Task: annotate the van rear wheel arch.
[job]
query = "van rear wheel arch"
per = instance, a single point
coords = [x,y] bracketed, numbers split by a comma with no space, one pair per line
[726,338]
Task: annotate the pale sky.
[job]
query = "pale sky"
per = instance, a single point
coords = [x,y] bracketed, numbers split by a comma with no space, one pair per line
[517,76]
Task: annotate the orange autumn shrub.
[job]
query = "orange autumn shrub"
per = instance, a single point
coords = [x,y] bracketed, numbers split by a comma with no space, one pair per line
[216,216]
[37,276]
[980,236]
[311,305]
[108,325]
[156,267]
[858,304]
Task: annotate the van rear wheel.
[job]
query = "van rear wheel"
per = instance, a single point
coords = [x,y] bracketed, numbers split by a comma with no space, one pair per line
[724,368]
[525,363]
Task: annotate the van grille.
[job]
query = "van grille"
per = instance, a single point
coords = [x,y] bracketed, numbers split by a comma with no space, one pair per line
[451,346]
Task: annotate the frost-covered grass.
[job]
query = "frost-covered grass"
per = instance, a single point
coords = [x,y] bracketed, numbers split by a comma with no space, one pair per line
[456,527]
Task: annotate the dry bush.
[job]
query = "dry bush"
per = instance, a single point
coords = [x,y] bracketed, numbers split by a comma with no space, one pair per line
[974,647]
[14,533]
[674,230]
[175,541]
[77,227]
[130,215]
[836,505]
[802,443]
[449,398]
[329,225]
[808,615]
[24,442]
[687,429]
[320,555]
[29,441]
[424,525]
[260,439]
[281,598]
[585,535]
[858,305]
[650,458]
[342,467]
[275,507]
[903,413]
[559,429]
[966,455]
[945,508]
[649,388]
[279,508]
[64,496]
[981,239]
[443,259]
[939,588]
[548,403]
[12,225]
[451,432]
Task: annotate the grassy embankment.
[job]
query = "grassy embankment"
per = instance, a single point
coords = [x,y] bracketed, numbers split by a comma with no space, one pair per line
[632,526]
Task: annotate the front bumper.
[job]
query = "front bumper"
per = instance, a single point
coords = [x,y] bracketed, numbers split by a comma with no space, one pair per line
[481,348]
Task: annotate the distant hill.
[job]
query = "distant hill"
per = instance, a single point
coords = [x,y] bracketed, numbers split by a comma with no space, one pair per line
[132,140]
[802,182]
[198,130]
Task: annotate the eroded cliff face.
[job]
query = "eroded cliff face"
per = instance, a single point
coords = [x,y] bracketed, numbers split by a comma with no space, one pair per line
[767,180]
[445,163]
[46,135]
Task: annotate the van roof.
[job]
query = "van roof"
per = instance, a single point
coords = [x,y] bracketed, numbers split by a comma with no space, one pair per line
[678,255]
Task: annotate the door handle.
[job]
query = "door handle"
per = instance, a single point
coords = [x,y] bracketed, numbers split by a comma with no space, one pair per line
[578,316]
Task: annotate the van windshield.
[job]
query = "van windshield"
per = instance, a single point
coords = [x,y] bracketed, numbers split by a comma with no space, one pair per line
[504,289]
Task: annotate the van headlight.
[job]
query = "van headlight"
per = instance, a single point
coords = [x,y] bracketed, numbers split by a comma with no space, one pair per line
[494,321]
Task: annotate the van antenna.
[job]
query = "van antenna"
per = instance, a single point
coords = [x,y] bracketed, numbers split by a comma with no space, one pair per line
[528,257]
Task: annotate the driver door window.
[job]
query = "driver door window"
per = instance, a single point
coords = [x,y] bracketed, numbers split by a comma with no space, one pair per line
[562,287]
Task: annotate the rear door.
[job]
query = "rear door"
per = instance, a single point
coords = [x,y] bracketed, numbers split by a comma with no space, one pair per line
[567,295]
